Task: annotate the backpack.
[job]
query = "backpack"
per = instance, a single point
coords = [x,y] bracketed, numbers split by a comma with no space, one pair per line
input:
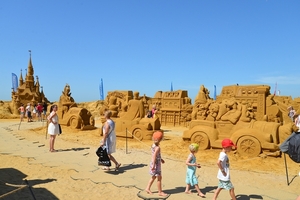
[294,148]
[103,157]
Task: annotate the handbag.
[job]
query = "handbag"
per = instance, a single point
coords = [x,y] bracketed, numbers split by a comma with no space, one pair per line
[60,131]
[103,157]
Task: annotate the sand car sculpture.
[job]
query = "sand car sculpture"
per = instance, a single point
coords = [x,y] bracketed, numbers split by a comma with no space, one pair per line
[241,113]
[71,115]
[132,123]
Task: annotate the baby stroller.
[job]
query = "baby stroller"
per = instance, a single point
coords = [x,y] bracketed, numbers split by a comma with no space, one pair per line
[291,146]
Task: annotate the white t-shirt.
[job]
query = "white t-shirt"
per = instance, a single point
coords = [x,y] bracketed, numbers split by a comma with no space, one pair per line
[28,108]
[225,165]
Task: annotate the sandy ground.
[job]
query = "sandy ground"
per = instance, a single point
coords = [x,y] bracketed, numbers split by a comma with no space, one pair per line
[73,173]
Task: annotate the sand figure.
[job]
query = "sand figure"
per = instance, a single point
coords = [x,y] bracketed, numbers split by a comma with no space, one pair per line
[66,101]
[212,112]
[135,110]
[71,115]
[233,114]
[272,110]
[202,95]
[113,106]
[223,108]
[247,113]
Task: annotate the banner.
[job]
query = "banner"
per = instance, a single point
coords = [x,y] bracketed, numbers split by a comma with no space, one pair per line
[14,82]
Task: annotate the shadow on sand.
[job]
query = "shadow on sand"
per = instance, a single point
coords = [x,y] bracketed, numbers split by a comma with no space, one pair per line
[73,149]
[13,185]
[125,168]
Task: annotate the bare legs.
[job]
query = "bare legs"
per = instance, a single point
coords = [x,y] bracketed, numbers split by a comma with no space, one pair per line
[231,192]
[188,191]
[52,140]
[150,184]
[114,161]
[160,192]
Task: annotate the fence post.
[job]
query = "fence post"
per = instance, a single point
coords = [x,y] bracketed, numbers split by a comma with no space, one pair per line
[126,141]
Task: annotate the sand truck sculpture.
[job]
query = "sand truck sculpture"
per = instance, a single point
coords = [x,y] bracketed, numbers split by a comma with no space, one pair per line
[71,115]
[130,121]
[241,114]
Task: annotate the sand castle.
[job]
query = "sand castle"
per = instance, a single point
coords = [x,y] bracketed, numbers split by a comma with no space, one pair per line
[28,91]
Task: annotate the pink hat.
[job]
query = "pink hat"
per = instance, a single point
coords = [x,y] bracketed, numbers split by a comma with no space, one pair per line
[227,143]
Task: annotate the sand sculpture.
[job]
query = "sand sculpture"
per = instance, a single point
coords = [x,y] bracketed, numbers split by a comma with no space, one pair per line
[129,114]
[28,90]
[70,115]
[173,107]
[249,115]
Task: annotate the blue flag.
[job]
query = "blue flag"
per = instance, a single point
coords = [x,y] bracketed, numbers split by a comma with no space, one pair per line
[171,87]
[101,90]
[14,82]
[215,92]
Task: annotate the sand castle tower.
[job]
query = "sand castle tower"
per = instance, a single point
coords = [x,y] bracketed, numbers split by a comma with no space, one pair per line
[29,90]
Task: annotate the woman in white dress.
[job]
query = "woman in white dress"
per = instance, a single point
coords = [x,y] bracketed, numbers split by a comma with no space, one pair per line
[109,138]
[53,127]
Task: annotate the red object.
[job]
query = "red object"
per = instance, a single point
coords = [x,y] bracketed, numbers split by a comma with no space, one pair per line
[227,143]
[39,108]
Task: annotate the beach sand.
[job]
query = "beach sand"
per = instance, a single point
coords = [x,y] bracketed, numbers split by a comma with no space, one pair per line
[73,172]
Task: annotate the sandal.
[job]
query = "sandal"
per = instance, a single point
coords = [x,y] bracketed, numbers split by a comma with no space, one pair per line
[118,166]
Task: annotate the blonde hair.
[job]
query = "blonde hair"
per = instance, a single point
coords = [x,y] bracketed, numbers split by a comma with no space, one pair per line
[107,113]
[194,147]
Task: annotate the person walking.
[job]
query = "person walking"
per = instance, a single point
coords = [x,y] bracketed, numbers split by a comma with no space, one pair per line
[192,165]
[22,112]
[224,172]
[39,109]
[28,112]
[109,139]
[155,164]
[44,110]
[53,127]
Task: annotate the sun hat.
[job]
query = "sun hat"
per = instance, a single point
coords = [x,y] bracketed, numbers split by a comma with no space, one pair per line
[227,143]
[157,135]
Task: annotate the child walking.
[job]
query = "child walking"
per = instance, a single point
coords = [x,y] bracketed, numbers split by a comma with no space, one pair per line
[155,164]
[191,179]
[224,173]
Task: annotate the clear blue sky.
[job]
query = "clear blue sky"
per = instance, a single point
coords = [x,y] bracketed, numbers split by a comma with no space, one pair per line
[144,45]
